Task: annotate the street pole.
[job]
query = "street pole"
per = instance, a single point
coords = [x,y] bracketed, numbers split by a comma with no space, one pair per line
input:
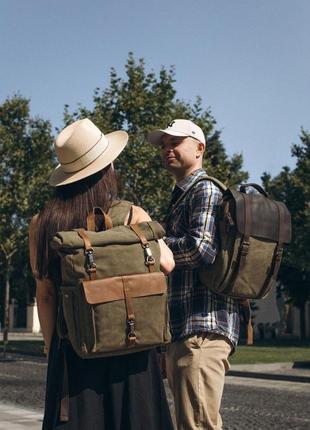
[8,257]
[6,313]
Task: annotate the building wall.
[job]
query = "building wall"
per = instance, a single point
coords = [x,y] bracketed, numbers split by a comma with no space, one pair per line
[267,309]
[274,312]
[32,324]
[269,312]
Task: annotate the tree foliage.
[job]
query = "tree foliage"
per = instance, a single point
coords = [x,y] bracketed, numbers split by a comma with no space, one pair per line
[293,188]
[139,103]
[25,159]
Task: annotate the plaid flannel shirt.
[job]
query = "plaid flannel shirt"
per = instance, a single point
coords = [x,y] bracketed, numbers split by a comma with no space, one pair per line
[191,235]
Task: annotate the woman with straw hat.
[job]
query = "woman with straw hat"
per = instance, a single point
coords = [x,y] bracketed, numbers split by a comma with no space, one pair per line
[115,393]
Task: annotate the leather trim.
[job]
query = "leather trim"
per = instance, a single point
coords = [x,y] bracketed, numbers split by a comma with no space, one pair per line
[91,219]
[87,243]
[111,289]
[265,223]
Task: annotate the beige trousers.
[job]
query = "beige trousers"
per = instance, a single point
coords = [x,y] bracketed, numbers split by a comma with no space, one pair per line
[196,368]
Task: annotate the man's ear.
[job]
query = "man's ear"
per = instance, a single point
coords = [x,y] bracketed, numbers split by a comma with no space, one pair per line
[200,149]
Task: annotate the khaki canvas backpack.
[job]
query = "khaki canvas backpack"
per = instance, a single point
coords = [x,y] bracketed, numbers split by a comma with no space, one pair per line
[252,229]
[113,296]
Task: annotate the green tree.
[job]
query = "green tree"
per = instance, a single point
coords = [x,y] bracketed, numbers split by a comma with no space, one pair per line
[293,188]
[25,159]
[139,103]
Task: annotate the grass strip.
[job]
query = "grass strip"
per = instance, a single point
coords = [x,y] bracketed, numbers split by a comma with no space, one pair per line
[24,346]
[260,352]
[270,354]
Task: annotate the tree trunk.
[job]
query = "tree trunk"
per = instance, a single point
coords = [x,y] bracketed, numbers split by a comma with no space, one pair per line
[302,321]
[6,307]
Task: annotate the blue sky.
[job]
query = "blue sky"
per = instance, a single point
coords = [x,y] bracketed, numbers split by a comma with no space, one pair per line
[249,60]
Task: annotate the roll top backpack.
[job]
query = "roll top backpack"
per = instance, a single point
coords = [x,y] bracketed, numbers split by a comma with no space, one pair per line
[113,296]
[252,230]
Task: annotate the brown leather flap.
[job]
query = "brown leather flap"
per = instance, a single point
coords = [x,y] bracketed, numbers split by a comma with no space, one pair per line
[264,217]
[111,289]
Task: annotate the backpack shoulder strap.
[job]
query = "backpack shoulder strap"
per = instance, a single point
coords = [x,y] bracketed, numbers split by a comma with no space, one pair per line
[205,177]
[217,182]
[118,211]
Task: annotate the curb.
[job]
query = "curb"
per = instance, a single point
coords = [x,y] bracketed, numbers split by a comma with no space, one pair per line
[270,376]
[27,353]
[236,373]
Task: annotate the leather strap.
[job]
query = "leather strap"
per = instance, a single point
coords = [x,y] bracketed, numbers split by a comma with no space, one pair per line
[149,259]
[281,221]
[281,238]
[90,264]
[278,251]
[245,244]
[246,308]
[87,244]
[91,219]
[139,233]
[131,319]
[130,215]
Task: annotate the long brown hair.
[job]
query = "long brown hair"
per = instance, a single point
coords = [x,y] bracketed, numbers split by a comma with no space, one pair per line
[68,209]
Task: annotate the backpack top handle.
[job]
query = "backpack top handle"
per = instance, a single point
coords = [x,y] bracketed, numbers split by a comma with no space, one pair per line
[91,219]
[256,186]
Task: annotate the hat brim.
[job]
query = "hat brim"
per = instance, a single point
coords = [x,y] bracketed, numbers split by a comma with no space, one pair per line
[117,142]
[155,136]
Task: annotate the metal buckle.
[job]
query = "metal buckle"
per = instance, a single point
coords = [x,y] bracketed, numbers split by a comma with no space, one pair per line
[131,325]
[279,253]
[90,263]
[245,248]
[149,260]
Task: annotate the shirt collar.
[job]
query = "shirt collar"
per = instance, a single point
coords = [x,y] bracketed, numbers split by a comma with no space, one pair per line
[186,182]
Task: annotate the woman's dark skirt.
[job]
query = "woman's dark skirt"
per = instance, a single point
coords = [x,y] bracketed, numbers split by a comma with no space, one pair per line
[113,393]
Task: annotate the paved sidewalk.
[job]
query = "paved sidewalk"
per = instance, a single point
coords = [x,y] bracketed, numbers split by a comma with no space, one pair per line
[293,372]
[16,335]
[17,418]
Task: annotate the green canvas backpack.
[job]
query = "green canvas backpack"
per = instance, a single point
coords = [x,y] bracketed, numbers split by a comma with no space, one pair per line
[252,229]
[113,296]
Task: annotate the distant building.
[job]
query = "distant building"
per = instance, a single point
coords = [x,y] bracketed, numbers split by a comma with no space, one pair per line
[275,317]
[24,318]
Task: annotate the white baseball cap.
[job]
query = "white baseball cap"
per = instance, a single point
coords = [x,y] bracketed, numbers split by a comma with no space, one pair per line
[178,127]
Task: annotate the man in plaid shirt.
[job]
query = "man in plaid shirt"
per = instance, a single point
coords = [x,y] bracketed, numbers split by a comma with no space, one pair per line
[204,325]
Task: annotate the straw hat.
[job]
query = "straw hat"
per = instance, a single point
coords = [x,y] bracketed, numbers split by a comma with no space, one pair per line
[82,149]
